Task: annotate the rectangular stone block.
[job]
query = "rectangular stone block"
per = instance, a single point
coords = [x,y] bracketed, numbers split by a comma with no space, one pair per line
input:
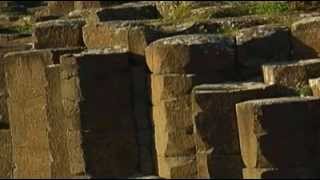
[304,45]
[195,53]
[28,110]
[6,165]
[292,75]
[173,115]
[60,7]
[57,133]
[259,45]
[315,86]
[278,132]
[175,143]
[177,167]
[58,34]
[129,11]
[171,86]
[214,113]
[97,99]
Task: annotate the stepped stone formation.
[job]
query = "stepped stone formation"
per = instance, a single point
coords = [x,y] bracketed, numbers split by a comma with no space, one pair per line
[152,90]
[218,149]
[269,148]
[176,68]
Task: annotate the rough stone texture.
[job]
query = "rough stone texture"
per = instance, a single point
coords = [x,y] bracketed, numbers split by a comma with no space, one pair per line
[261,44]
[291,75]
[57,133]
[103,115]
[6,166]
[279,132]
[132,35]
[197,53]
[315,86]
[141,109]
[79,5]
[177,167]
[274,173]
[128,11]
[215,124]
[60,8]
[58,34]
[27,101]
[304,43]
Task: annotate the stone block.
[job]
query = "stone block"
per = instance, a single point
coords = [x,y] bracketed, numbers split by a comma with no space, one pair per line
[259,45]
[177,167]
[6,165]
[60,7]
[28,110]
[315,86]
[58,34]
[128,11]
[291,75]
[197,53]
[279,132]
[304,31]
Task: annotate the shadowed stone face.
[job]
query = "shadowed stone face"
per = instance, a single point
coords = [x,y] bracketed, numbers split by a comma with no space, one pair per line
[266,138]
[215,126]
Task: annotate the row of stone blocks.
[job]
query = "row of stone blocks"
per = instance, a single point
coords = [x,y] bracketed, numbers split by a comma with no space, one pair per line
[254,46]
[201,59]
[196,134]
[70,114]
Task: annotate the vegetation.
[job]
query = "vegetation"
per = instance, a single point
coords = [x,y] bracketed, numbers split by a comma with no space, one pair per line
[304,91]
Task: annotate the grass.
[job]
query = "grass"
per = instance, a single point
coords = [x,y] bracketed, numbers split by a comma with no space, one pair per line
[26,29]
[304,91]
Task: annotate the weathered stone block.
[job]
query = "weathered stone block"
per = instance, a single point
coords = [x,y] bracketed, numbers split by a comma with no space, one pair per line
[261,44]
[174,143]
[214,113]
[166,87]
[305,45]
[6,165]
[60,7]
[172,115]
[315,86]
[279,132]
[215,124]
[132,35]
[58,34]
[89,4]
[102,114]
[292,75]
[197,53]
[128,11]
[27,83]
[177,167]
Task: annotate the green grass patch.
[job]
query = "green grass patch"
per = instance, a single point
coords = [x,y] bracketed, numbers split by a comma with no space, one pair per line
[27,29]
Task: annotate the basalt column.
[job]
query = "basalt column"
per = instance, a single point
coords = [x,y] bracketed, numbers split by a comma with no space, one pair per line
[278,137]
[97,101]
[177,64]
[215,125]
[28,112]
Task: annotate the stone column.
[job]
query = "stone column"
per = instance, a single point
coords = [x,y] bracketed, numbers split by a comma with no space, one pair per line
[215,126]
[28,111]
[97,101]
[278,137]
[178,64]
